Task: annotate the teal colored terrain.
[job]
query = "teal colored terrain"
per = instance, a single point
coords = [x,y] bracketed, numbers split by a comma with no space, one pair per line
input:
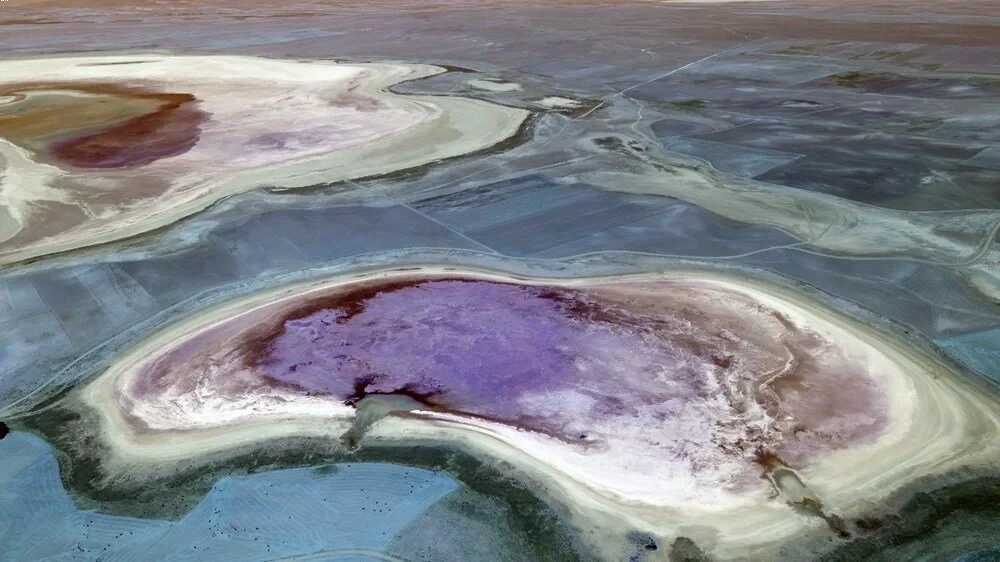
[338,512]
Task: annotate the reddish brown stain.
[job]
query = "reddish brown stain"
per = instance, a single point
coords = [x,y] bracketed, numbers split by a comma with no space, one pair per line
[767,459]
[361,390]
[171,130]
[351,302]
[172,127]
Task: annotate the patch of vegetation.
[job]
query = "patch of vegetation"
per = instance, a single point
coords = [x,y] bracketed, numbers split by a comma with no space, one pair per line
[853,79]
[924,126]
[921,518]
[880,55]
[613,144]
[325,469]
[799,50]
[690,104]
[684,549]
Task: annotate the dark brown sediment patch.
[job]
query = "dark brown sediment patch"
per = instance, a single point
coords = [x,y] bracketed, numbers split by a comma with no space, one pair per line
[170,131]
[362,391]
[4,430]
[63,110]
[767,459]
[121,126]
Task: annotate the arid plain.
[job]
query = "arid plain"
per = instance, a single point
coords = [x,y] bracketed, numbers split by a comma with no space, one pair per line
[500,281]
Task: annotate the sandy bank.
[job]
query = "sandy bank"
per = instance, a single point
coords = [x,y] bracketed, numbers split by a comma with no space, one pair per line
[494,85]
